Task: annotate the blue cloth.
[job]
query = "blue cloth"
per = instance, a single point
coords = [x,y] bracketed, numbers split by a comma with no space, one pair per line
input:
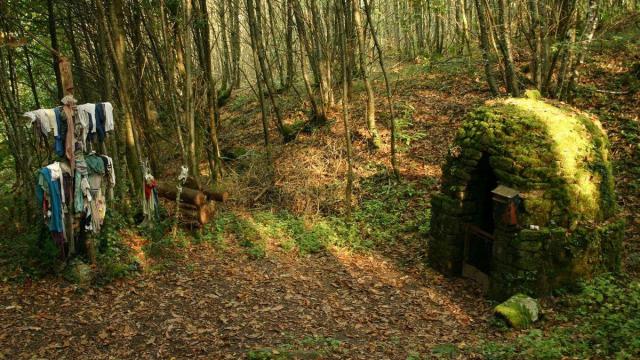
[78,199]
[100,121]
[56,223]
[58,144]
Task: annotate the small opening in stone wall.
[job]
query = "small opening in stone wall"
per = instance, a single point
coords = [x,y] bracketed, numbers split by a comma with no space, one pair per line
[478,208]
[483,181]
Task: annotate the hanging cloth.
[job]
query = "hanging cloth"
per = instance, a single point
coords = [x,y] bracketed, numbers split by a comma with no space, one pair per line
[86,115]
[43,120]
[56,223]
[95,165]
[50,118]
[58,140]
[108,116]
[69,139]
[56,175]
[100,120]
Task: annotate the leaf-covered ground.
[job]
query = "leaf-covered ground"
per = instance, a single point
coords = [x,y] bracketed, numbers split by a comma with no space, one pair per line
[223,304]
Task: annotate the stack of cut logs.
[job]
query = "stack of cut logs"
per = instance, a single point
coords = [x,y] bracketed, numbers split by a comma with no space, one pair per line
[197,205]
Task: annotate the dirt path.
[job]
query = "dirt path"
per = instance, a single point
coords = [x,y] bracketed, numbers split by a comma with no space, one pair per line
[220,304]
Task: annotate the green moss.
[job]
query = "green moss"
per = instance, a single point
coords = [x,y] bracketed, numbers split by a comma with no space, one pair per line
[547,144]
[520,311]
[538,210]
[558,159]
[533,94]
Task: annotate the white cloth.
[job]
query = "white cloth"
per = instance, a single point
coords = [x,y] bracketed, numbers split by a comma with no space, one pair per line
[42,118]
[56,174]
[31,115]
[86,110]
[108,116]
[50,117]
[86,113]
[86,188]
[110,171]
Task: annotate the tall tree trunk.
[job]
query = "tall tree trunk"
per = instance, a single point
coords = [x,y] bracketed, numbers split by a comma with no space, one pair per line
[585,40]
[485,47]
[189,117]
[32,82]
[564,26]
[464,24]
[394,158]
[235,41]
[212,94]
[172,82]
[362,52]
[77,59]
[226,57]
[143,93]
[53,34]
[504,40]
[117,50]
[254,18]
[289,43]
[345,108]
[536,36]
[273,30]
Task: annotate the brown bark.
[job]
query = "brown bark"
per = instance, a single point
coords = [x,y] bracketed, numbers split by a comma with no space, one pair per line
[484,47]
[504,41]
[117,50]
[188,195]
[53,35]
[362,52]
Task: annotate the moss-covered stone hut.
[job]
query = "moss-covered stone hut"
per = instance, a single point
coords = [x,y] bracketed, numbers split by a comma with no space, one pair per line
[527,201]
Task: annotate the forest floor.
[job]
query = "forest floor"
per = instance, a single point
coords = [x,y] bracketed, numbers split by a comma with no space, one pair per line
[274,276]
[221,301]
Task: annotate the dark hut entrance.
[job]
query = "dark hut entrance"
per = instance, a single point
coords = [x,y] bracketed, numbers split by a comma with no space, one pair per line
[479,229]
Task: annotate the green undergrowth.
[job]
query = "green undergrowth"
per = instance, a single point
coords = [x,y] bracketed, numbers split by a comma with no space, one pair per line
[115,259]
[406,129]
[306,235]
[390,212]
[28,252]
[601,321]
[309,347]
[387,213]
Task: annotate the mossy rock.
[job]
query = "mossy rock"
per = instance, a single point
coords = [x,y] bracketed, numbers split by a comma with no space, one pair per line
[79,273]
[520,311]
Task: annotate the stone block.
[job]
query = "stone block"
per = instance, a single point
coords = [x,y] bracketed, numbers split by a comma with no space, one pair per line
[471,154]
[510,179]
[539,174]
[520,311]
[527,260]
[503,163]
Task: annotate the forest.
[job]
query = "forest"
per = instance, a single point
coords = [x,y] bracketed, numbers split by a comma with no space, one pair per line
[320,179]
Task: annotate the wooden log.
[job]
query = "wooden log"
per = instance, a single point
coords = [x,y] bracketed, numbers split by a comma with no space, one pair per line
[191,183]
[186,206]
[188,195]
[220,196]
[215,195]
[201,215]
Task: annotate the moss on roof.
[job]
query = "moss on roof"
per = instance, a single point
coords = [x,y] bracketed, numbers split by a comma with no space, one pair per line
[555,155]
